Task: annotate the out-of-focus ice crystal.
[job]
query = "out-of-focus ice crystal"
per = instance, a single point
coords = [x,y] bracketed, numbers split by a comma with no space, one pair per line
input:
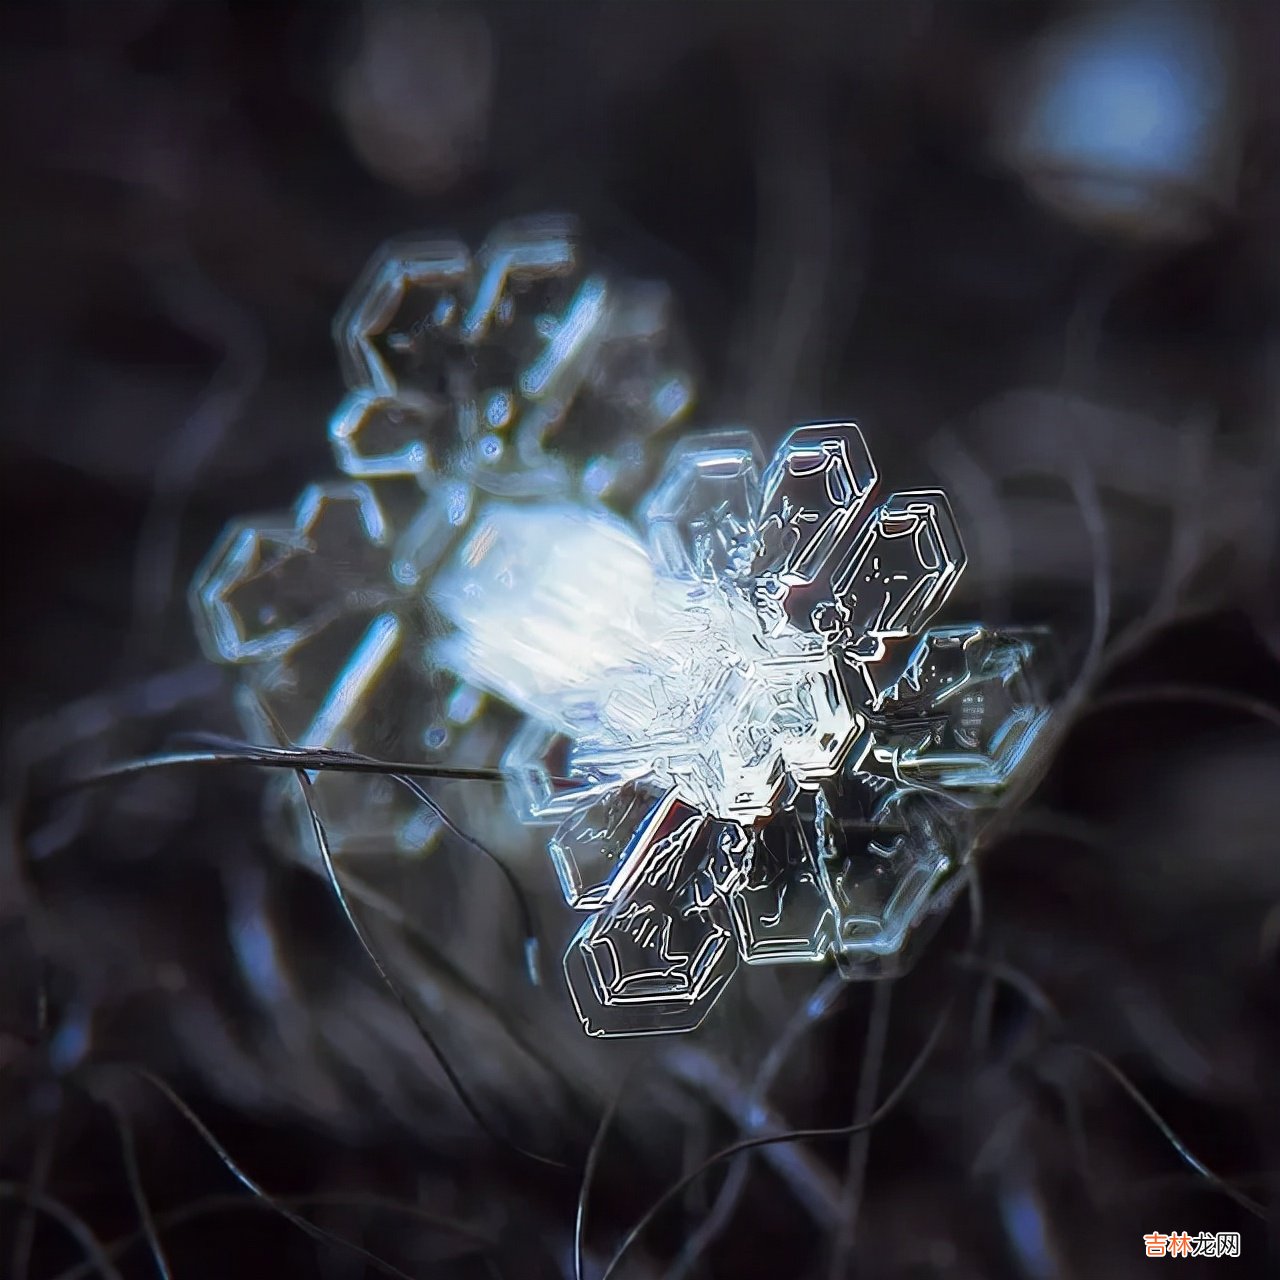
[269,583]
[521,369]
[524,368]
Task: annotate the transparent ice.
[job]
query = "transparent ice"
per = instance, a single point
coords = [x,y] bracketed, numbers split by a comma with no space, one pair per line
[659,952]
[655,679]
[704,700]
[269,584]
[526,367]
[964,713]
[781,909]
[324,648]
[720,663]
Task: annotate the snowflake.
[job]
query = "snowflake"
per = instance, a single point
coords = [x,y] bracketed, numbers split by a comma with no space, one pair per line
[735,752]
[713,722]
[525,369]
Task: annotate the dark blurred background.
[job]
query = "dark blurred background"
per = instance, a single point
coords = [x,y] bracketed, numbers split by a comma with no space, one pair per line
[1031,247]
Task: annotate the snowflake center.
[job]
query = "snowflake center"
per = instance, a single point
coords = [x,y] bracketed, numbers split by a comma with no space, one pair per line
[673,683]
